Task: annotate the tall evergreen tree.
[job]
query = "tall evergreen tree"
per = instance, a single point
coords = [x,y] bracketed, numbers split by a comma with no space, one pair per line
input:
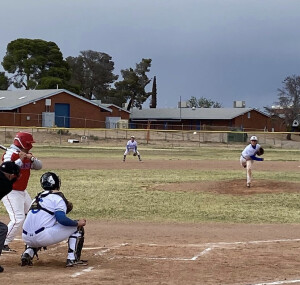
[154,94]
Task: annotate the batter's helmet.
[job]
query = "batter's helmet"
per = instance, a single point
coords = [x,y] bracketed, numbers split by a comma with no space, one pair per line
[253,138]
[24,140]
[50,181]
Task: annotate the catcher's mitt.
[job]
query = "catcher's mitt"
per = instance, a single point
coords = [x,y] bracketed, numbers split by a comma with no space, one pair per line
[261,151]
[134,154]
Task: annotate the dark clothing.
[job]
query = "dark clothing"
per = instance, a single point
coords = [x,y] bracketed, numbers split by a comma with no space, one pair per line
[5,185]
[5,188]
[3,233]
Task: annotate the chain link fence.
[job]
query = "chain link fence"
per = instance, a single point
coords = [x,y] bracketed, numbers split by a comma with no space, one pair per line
[159,138]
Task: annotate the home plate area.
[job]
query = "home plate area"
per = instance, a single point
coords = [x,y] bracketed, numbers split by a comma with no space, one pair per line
[194,252]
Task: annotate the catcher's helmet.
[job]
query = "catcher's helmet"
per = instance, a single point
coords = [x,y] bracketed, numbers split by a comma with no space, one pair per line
[23,140]
[50,181]
[253,138]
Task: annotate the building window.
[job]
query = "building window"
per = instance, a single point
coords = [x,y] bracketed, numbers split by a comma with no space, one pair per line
[249,115]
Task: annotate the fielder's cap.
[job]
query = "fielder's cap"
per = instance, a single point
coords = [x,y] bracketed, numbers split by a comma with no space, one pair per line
[253,138]
[133,137]
[10,167]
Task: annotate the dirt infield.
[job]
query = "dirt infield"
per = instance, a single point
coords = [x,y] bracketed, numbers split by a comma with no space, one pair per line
[171,253]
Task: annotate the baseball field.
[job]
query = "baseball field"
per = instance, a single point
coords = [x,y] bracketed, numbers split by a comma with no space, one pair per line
[181,216]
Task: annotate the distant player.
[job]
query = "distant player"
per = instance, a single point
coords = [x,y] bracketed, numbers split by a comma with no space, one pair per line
[131,146]
[248,156]
[18,201]
[47,223]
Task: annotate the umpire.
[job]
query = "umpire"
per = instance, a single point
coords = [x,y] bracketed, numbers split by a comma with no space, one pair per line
[9,173]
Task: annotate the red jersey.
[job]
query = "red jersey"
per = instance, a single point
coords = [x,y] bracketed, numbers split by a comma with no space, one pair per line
[12,154]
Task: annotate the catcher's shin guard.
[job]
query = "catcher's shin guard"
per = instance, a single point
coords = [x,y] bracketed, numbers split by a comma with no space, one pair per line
[76,242]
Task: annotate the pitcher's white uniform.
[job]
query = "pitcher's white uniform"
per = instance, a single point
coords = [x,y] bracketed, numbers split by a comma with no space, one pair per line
[41,229]
[248,156]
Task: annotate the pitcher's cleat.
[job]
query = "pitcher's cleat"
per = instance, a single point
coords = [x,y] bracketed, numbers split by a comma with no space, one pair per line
[248,185]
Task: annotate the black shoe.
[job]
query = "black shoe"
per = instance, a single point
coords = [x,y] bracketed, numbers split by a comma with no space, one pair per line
[26,259]
[1,269]
[7,249]
[71,263]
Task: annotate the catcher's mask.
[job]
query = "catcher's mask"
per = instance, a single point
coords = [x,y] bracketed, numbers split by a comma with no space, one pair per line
[23,140]
[50,181]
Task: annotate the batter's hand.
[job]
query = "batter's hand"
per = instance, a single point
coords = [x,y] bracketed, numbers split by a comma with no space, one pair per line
[81,223]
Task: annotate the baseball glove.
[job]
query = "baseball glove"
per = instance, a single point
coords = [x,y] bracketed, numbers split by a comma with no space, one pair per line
[134,154]
[261,151]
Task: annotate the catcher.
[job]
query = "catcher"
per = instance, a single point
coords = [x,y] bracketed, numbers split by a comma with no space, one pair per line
[249,155]
[46,223]
[131,146]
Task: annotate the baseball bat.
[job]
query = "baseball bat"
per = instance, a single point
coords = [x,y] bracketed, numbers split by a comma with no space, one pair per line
[3,147]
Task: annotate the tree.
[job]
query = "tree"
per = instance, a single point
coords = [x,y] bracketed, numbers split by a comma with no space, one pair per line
[154,94]
[92,73]
[35,64]
[288,104]
[4,81]
[204,103]
[132,87]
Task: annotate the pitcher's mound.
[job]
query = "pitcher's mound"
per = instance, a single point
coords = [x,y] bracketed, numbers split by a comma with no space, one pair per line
[233,187]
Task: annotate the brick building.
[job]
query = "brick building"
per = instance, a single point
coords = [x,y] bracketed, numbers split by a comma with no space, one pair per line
[55,107]
[243,119]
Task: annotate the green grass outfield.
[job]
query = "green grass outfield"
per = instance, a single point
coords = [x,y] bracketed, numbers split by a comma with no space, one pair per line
[123,195]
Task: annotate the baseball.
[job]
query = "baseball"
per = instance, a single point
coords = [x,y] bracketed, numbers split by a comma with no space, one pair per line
[194,133]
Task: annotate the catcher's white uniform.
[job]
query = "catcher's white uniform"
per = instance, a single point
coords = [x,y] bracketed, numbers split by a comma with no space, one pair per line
[52,232]
[41,229]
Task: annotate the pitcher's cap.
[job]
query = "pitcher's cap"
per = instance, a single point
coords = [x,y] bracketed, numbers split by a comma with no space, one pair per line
[253,138]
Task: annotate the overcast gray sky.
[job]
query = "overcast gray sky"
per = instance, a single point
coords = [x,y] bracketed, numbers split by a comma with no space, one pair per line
[224,50]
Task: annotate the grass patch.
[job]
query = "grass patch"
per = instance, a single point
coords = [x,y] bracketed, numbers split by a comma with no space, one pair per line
[125,195]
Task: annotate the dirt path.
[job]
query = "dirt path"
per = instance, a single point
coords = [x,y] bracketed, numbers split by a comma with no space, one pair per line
[147,253]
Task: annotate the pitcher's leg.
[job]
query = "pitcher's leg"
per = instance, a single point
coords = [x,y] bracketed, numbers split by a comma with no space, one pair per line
[249,172]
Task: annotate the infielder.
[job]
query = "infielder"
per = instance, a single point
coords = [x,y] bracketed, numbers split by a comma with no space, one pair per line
[18,201]
[9,173]
[249,155]
[46,223]
[131,146]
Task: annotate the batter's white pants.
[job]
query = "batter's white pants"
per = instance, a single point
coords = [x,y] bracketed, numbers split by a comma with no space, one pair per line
[50,236]
[17,204]
[248,165]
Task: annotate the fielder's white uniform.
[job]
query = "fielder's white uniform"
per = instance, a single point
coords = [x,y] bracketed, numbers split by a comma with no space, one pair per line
[131,146]
[41,229]
[247,159]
